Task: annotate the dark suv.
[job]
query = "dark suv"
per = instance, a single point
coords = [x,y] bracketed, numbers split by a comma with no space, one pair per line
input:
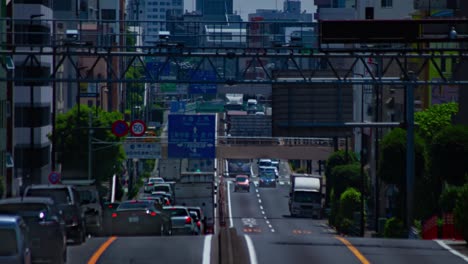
[46,228]
[67,199]
[91,204]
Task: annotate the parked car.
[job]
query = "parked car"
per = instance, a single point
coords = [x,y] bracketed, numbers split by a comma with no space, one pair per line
[140,217]
[182,222]
[242,183]
[15,246]
[148,186]
[67,199]
[46,227]
[200,219]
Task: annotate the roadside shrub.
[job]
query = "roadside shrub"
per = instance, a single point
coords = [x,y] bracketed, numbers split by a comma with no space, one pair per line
[448,198]
[394,228]
[334,205]
[349,203]
[461,212]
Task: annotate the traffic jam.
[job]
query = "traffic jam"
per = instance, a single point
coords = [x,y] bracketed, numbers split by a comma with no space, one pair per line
[48,218]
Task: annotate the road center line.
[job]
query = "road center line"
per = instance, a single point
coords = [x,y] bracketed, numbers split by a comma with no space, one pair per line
[229,203]
[95,257]
[251,248]
[353,249]
[207,250]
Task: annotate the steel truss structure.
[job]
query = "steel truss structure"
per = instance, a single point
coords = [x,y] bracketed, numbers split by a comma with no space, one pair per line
[215,58]
[232,51]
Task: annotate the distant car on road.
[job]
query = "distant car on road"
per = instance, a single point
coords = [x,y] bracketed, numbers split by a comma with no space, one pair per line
[148,186]
[15,246]
[46,228]
[107,211]
[242,183]
[140,217]
[182,222]
[200,219]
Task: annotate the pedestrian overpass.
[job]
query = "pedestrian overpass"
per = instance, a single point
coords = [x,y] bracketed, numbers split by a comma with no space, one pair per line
[270,147]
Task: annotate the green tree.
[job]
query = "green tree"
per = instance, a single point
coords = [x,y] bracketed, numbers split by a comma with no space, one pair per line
[346,176]
[449,154]
[392,158]
[434,119]
[72,142]
[461,212]
[448,198]
[337,158]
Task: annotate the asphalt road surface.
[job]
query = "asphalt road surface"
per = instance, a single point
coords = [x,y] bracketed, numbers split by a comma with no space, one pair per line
[261,218]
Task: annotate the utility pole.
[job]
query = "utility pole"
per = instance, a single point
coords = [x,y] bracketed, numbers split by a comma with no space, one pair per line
[409,149]
[90,146]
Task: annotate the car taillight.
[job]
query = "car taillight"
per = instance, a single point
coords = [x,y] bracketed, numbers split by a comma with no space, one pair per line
[153,213]
[188,220]
[110,206]
[168,202]
[150,184]
[114,215]
[198,223]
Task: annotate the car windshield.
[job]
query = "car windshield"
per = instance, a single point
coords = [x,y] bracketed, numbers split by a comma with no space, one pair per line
[155,180]
[132,206]
[176,211]
[60,196]
[307,197]
[87,195]
[241,179]
[162,188]
[9,245]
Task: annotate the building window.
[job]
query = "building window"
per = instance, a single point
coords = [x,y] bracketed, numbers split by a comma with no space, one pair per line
[387,3]
[38,117]
[108,14]
[37,75]
[39,157]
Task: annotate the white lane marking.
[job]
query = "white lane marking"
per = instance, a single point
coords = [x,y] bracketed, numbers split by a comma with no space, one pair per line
[265,217]
[270,226]
[263,212]
[261,207]
[207,250]
[453,251]
[256,190]
[268,222]
[251,248]
[258,195]
[259,201]
[229,203]
[281,183]
[272,230]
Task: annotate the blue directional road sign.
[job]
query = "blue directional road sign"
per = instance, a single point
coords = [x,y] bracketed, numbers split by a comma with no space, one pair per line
[192,136]
[202,88]
[178,106]
[157,69]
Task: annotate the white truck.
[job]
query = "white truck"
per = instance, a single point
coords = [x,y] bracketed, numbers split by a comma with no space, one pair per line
[197,189]
[234,102]
[305,196]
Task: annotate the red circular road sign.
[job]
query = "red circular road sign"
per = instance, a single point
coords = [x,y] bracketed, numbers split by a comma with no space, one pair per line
[120,128]
[138,128]
[54,177]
